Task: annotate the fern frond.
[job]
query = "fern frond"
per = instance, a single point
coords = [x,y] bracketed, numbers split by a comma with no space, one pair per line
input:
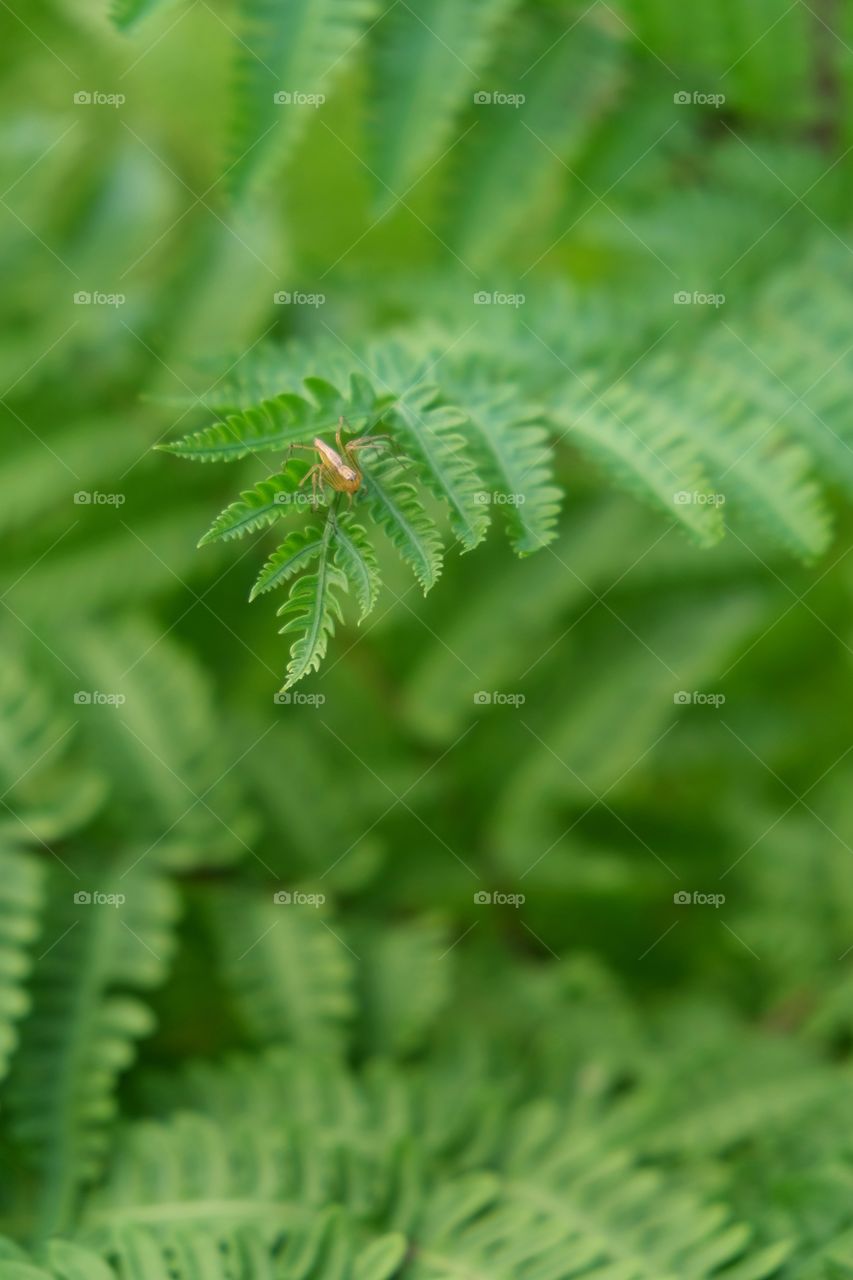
[395,506]
[404,983]
[45,795]
[515,156]
[510,443]
[431,434]
[315,607]
[425,62]
[69,1261]
[598,742]
[274,424]
[294,49]
[156,738]
[289,970]
[646,450]
[788,356]
[21,899]
[258,507]
[83,1023]
[356,557]
[126,13]
[299,548]
[759,470]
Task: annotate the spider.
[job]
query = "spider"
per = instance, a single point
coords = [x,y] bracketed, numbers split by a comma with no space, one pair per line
[339,467]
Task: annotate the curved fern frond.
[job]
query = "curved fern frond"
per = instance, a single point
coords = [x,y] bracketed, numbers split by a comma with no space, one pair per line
[274,424]
[404,983]
[315,607]
[21,897]
[257,507]
[299,548]
[511,445]
[643,445]
[758,469]
[147,720]
[126,13]
[516,155]
[290,972]
[287,50]
[105,935]
[431,434]
[44,794]
[425,61]
[356,557]
[395,505]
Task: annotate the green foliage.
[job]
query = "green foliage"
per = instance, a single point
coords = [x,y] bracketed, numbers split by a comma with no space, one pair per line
[512,938]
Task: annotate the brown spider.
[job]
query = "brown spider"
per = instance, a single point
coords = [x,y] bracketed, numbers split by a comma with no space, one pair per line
[339,468]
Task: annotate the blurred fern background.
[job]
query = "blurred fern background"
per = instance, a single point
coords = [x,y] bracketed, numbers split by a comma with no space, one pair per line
[514,937]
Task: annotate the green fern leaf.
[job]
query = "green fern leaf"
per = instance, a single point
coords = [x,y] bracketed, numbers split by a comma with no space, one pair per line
[74,1262]
[382,1259]
[511,447]
[289,970]
[316,608]
[21,897]
[258,507]
[395,506]
[274,424]
[646,450]
[80,1032]
[291,49]
[356,557]
[431,434]
[404,978]
[426,62]
[296,552]
[515,157]
[44,795]
[158,742]
[126,13]
[764,475]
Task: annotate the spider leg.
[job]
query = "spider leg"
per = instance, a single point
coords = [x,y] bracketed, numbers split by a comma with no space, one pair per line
[363,442]
[310,472]
[316,484]
[353,447]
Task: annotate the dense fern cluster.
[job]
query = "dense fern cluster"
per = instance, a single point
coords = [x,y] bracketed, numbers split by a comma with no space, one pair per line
[511,939]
